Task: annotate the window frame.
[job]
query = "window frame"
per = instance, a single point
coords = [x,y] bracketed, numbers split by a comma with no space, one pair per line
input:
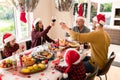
[29,17]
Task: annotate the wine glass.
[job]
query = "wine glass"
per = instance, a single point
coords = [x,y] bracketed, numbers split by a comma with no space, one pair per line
[53,18]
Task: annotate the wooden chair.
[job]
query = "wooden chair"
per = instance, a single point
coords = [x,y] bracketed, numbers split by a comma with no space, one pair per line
[28,44]
[2,54]
[107,66]
[91,76]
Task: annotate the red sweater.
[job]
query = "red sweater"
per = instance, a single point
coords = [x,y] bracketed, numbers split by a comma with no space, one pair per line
[9,50]
[39,38]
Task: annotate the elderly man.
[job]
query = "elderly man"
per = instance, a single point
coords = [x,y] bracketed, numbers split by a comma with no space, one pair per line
[80,27]
[99,41]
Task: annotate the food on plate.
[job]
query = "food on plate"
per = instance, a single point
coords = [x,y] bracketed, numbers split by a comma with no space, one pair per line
[25,70]
[42,66]
[46,54]
[33,69]
[63,42]
[28,60]
[73,44]
[30,67]
[44,61]
[7,63]
[35,66]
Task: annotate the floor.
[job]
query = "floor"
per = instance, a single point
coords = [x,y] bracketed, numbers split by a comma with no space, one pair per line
[116,49]
[113,73]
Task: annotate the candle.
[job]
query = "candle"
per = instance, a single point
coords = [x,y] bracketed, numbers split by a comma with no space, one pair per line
[21,60]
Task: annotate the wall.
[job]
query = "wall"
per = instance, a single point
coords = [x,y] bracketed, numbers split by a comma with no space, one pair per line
[48,12]
[116,4]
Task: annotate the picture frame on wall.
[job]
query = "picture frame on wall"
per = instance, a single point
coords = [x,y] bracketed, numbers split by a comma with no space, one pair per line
[105,7]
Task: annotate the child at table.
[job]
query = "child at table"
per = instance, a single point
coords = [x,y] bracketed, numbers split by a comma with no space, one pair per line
[10,45]
[74,69]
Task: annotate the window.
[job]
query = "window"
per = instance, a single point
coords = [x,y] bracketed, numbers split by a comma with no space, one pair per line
[106,7]
[94,7]
[6,19]
[10,22]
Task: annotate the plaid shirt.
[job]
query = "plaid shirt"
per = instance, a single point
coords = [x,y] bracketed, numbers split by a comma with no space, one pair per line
[77,72]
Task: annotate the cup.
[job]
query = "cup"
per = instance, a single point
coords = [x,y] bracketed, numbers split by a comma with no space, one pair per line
[53,19]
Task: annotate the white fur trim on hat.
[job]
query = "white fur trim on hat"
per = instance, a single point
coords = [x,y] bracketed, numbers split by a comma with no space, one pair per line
[65,75]
[12,37]
[102,22]
[36,21]
[66,53]
[80,17]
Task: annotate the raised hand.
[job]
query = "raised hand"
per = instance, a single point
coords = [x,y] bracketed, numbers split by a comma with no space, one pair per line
[64,26]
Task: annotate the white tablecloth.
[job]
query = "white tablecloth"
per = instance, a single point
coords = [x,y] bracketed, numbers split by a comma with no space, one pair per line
[47,74]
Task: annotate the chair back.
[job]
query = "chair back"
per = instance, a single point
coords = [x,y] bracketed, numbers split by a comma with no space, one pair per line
[2,54]
[107,65]
[91,76]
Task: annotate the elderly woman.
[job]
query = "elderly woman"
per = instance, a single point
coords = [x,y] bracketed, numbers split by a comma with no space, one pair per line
[39,35]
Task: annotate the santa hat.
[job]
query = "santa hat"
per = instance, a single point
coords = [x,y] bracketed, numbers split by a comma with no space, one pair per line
[71,57]
[100,19]
[80,17]
[36,21]
[8,37]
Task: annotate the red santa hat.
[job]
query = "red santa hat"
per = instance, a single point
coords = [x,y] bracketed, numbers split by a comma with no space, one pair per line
[8,37]
[36,21]
[71,57]
[100,19]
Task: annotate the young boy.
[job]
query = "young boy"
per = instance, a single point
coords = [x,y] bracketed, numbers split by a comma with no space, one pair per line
[74,69]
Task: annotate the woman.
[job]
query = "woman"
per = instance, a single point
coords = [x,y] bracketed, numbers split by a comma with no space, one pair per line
[39,35]
[10,45]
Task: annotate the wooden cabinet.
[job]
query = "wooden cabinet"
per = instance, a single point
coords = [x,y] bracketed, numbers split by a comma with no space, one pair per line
[114,35]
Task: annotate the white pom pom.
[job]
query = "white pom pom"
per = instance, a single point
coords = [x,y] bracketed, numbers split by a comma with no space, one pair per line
[65,75]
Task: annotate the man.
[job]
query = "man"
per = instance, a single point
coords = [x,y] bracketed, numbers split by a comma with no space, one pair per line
[80,27]
[99,41]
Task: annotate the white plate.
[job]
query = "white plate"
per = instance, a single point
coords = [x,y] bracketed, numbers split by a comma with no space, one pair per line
[6,68]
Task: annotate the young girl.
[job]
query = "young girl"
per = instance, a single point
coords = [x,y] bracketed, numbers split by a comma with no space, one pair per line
[10,45]
[74,69]
[39,35]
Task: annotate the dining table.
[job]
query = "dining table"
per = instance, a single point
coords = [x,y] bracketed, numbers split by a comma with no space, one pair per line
[48,74]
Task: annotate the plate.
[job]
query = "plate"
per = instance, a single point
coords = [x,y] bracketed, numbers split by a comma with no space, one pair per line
[6,68]
[46,54]
[43,55]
